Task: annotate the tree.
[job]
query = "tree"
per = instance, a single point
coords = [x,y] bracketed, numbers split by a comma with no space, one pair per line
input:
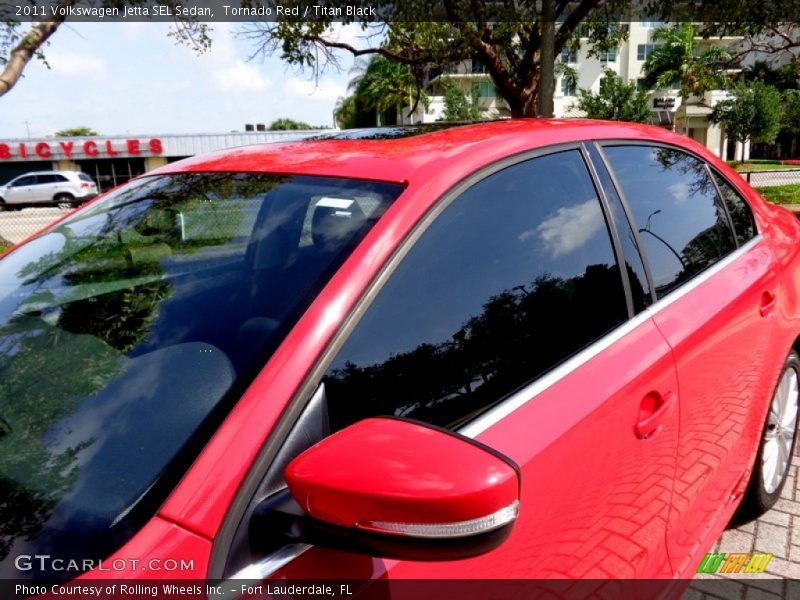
[76,132]
[616,101]
[784,77]
[345,112]
[457,106]
[754,112]
[510,39]
[676,60]
[382,88]
[18,48]
[287,124]
[791,111]
[387,85]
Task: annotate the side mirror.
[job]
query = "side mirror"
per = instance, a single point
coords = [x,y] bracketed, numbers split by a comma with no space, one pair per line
[394,488]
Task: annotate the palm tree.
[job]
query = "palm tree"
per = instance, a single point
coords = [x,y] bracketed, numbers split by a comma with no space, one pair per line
[677,60]
[345,112]
[381,85]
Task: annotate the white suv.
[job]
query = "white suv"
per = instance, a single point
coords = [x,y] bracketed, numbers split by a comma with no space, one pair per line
[62,188]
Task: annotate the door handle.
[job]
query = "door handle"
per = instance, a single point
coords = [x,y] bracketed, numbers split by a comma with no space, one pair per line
[768,304]
[653,411]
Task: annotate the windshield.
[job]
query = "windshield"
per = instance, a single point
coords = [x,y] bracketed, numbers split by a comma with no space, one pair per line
[128,330]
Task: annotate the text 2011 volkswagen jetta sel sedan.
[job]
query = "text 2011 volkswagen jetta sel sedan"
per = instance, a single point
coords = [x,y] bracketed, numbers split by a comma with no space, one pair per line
[546,349]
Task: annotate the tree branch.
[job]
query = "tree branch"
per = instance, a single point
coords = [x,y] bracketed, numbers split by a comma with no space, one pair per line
[26,49]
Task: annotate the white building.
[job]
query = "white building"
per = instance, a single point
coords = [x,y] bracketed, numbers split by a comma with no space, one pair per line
[627,61]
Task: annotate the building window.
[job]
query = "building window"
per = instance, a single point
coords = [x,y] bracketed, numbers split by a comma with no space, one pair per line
[643,51]
[608,56]
[484,89]
[641,85]
[477,67]
[567,87]
[569,55]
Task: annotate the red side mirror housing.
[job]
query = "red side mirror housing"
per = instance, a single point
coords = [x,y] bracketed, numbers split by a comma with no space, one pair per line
[401,489]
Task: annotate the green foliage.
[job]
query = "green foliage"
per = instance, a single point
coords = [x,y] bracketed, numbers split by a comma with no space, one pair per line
[616,101]
[676,60]
[506,36]
[76,132]
[755,112]
[345,112]
[785,77]
[288,124]
[382,86]
[457,106]
[791,111]
[781,194]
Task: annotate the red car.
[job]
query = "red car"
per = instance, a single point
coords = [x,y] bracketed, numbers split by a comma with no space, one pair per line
[544,348]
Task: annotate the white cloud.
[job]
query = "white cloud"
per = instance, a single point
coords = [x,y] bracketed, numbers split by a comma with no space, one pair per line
[238,77]
[324,90]
[355,36]
[73,63]
[680,191]
[570,228]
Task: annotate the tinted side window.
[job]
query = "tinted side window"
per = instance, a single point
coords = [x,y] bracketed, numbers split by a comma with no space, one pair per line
[682,225]
[40,179]
[640,288]
[513,277]
[30,180]
[742,216]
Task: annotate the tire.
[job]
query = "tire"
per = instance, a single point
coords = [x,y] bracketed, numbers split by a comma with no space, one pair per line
[3,205]
[64,200]
[778,440]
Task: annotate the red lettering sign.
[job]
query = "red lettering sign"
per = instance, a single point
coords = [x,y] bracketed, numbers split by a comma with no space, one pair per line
[91,148]
[42,150]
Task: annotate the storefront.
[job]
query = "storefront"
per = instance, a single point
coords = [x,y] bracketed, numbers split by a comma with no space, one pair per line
[113,160]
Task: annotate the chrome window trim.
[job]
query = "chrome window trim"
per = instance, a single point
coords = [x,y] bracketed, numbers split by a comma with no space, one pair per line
[529,392]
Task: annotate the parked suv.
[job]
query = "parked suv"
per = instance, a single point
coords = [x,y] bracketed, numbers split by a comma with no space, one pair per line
[62,188]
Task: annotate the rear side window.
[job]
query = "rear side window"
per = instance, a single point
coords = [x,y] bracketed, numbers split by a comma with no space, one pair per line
[85,177]
[30,180]
[682,225]
[41,179]
[515,276]
[742,216]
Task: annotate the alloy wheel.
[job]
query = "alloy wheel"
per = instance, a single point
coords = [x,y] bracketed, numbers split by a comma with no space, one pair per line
[779,435]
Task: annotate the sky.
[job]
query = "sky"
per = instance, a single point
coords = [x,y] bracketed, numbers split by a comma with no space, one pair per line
[131,78]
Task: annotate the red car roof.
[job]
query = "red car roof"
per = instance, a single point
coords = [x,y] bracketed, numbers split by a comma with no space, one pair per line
[400,159]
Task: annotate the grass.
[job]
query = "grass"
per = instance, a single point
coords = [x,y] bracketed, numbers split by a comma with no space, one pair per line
[760,165]
[781,194]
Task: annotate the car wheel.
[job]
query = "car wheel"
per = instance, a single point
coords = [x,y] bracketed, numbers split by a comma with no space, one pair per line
[3,205]
[777,445]
[64,200]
